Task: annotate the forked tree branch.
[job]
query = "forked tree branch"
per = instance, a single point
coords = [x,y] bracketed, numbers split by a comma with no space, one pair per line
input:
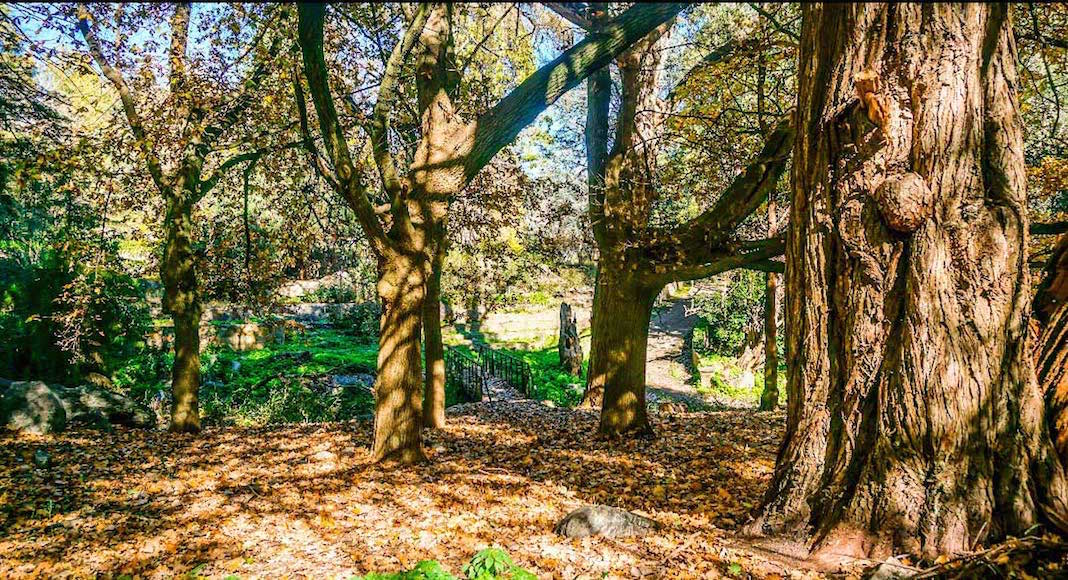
[350,178]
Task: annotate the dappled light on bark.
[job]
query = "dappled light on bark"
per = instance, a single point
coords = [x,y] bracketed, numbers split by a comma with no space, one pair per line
[915,423]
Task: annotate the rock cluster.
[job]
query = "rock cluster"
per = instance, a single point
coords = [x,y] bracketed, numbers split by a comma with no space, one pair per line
[41,408]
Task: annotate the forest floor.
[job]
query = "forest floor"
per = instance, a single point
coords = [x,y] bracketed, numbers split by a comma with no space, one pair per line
[302,500]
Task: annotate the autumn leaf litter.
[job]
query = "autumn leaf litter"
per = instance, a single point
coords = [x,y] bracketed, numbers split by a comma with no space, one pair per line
[302,500]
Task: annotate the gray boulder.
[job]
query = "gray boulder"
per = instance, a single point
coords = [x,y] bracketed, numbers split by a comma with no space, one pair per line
[40,408]
[32,407]
[602,520]
[100,408]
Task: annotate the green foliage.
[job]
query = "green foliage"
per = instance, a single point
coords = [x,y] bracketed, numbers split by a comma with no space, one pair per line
[728,312]
[550,381]
[723,380]
[287,383]
[425,570]
[359,320]
[281,383]
[60,318]
[493,563]
[337,293]
[488,564]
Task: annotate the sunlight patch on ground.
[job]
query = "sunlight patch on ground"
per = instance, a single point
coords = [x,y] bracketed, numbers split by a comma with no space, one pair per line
[302,499]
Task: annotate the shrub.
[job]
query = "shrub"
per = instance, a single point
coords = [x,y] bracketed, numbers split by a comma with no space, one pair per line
[728,311]
[488,564]
[61,319]
[359,320]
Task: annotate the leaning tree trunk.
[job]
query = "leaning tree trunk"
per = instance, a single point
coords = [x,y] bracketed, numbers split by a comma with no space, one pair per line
[1051,345]
[398,388]
[181,299]
[434,389]
[619,336]
[914,420]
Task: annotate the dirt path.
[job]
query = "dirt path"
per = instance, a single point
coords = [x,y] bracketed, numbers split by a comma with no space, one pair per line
[667,374]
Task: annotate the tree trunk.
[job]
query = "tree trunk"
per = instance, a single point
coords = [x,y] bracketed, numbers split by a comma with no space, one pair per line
[434,388]
[769,397]
[399,386]
[569,349]
[1051,346]
[620,333]
[752,346]
[181,299]
[914,420]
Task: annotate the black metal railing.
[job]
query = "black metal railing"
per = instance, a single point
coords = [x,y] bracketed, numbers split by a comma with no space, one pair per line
[468,375]
[465,374]
[507,367]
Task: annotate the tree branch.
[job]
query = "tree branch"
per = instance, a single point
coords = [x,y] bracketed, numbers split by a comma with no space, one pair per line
[315,159]
[206,185]
[179,40]
[774,22]
[745,193]
[570,12]
[772,266]
[598,97]
[1048,229]
[349,177]
[719,54]
[500,125]
[754,255]
[126,97]
[240,102]
[387,94]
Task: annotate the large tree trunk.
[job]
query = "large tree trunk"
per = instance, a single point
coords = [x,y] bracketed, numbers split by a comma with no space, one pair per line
[398,388]
[434,389]
[620,333]
[1051,345]
[181,299]
[914,420]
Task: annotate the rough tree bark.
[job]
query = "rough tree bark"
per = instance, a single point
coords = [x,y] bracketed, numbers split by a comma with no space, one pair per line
[568,347]
[434,388]
[769,396]
[621,328]
[181,188]
[635,259]
[451,151]
[181,299]
[914,420]
[1051,344]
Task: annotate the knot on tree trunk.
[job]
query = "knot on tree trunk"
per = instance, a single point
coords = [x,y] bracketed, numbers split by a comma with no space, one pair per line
[905,201]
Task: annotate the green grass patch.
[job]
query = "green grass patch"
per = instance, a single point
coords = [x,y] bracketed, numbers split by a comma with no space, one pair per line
[723,378]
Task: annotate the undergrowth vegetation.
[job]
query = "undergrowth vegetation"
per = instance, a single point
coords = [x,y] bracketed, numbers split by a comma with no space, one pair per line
[488,564]
[290,382]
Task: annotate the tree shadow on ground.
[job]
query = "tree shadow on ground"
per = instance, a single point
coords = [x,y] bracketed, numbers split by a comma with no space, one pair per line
[300,499]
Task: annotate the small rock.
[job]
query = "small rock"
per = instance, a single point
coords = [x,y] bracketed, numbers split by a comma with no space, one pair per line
[891,569]
[42,459]
[549,403]
[324,456]
[235,366]
[602,520]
